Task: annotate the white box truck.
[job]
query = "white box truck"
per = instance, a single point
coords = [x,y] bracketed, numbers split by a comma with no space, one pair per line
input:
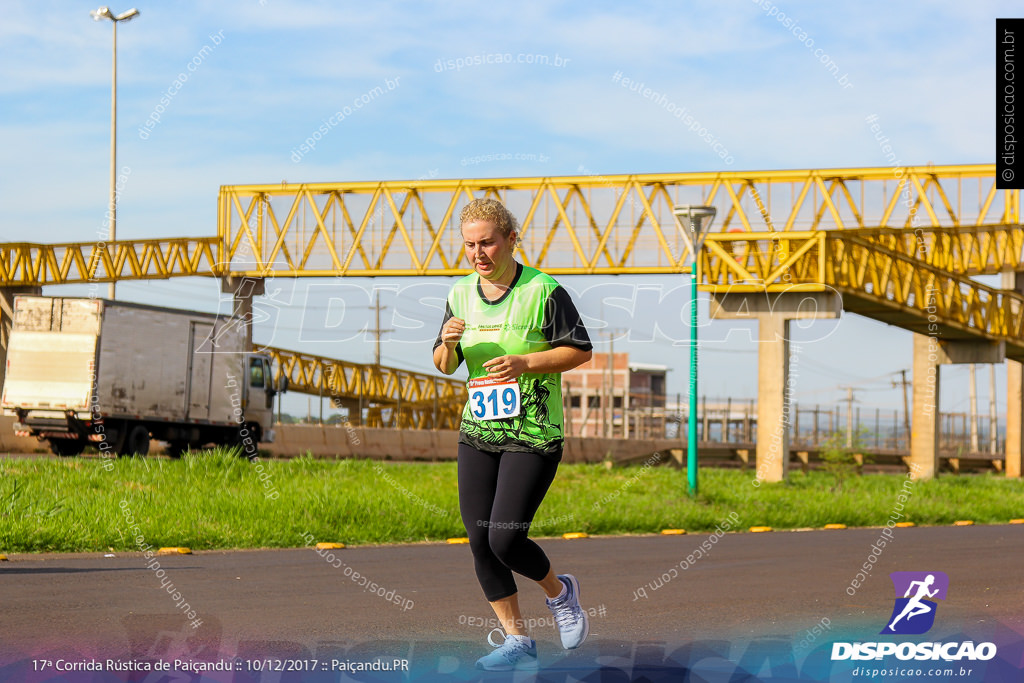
[116,374]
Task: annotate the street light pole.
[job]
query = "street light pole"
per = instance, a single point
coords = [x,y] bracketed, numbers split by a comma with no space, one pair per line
[693,229]
[97,15]
[111,237]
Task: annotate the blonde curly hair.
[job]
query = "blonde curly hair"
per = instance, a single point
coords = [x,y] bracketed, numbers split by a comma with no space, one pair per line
[490,210]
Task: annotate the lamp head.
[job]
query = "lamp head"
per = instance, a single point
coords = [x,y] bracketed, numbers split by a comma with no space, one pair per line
[105,13]
[695,219]
[694,222]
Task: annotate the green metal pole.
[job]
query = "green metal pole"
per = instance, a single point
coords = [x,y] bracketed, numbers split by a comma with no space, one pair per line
[691,440]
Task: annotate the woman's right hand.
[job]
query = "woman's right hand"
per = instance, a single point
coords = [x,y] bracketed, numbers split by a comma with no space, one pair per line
[451,333]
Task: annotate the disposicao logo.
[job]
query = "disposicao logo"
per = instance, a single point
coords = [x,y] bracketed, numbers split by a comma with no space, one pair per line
[914,612]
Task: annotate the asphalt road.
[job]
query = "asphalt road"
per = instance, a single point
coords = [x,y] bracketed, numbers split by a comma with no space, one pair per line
[748,588]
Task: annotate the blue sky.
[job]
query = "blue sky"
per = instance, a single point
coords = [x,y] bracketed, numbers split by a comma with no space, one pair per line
[267,73]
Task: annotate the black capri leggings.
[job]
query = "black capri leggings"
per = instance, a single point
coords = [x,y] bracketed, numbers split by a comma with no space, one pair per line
[499,493]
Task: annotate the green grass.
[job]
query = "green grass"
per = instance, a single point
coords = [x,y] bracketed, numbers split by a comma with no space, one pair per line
[216,500]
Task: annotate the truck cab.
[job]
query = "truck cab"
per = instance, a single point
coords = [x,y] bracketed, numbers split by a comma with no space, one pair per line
[260,392]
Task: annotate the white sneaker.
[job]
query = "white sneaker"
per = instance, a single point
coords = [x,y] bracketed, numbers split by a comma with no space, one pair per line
[571,620]
[517,653]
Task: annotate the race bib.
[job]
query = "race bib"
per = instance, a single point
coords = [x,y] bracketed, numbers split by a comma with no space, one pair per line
[491,399]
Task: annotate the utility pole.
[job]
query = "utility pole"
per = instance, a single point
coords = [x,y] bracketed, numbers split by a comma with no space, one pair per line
[608,398]
[610,424]
[993,424]
[377,330]
[849,417]
[906,409]
[604,389]
[973,390]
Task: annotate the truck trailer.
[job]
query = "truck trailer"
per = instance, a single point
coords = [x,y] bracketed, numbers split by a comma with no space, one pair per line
[115,374]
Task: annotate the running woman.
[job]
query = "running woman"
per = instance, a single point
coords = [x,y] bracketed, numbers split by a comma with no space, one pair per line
[517,330]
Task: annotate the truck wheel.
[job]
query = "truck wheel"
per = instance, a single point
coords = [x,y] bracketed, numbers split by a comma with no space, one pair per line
[138,441]
[113,440]
[175,449]
[67,447]
[238,441]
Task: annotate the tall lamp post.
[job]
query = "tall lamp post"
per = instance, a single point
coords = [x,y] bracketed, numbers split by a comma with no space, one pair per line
[99,15]
[694,223]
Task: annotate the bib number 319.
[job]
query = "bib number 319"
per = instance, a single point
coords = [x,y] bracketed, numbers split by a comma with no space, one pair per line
[494,400]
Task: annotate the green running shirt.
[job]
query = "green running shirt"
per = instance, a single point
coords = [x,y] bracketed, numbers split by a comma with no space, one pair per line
[535,314]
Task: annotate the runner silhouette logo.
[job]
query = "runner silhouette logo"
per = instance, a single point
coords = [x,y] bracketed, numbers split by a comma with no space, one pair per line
[916,592]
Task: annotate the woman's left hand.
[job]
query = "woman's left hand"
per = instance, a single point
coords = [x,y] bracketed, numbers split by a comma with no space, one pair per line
[506,367]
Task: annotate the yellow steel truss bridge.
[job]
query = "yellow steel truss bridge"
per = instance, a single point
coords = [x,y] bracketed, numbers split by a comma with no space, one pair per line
[392,397]
[897,243]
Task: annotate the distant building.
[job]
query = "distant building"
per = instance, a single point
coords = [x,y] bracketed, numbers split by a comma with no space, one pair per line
[612,397]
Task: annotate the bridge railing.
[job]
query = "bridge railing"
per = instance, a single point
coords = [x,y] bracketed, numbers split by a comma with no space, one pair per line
[723,422]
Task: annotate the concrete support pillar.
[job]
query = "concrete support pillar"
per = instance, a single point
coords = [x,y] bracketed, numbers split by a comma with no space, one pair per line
[352,407]
[772,397]
[924,429]
[773,312]
[1014,402]
[1014,417]
[7,295]
[929,353]
[244,289]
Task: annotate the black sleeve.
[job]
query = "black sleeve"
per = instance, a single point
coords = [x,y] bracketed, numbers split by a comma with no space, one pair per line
[437,342]
[562,323]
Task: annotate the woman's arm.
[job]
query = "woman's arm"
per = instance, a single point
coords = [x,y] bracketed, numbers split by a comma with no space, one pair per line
[558,359]
[446,357]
